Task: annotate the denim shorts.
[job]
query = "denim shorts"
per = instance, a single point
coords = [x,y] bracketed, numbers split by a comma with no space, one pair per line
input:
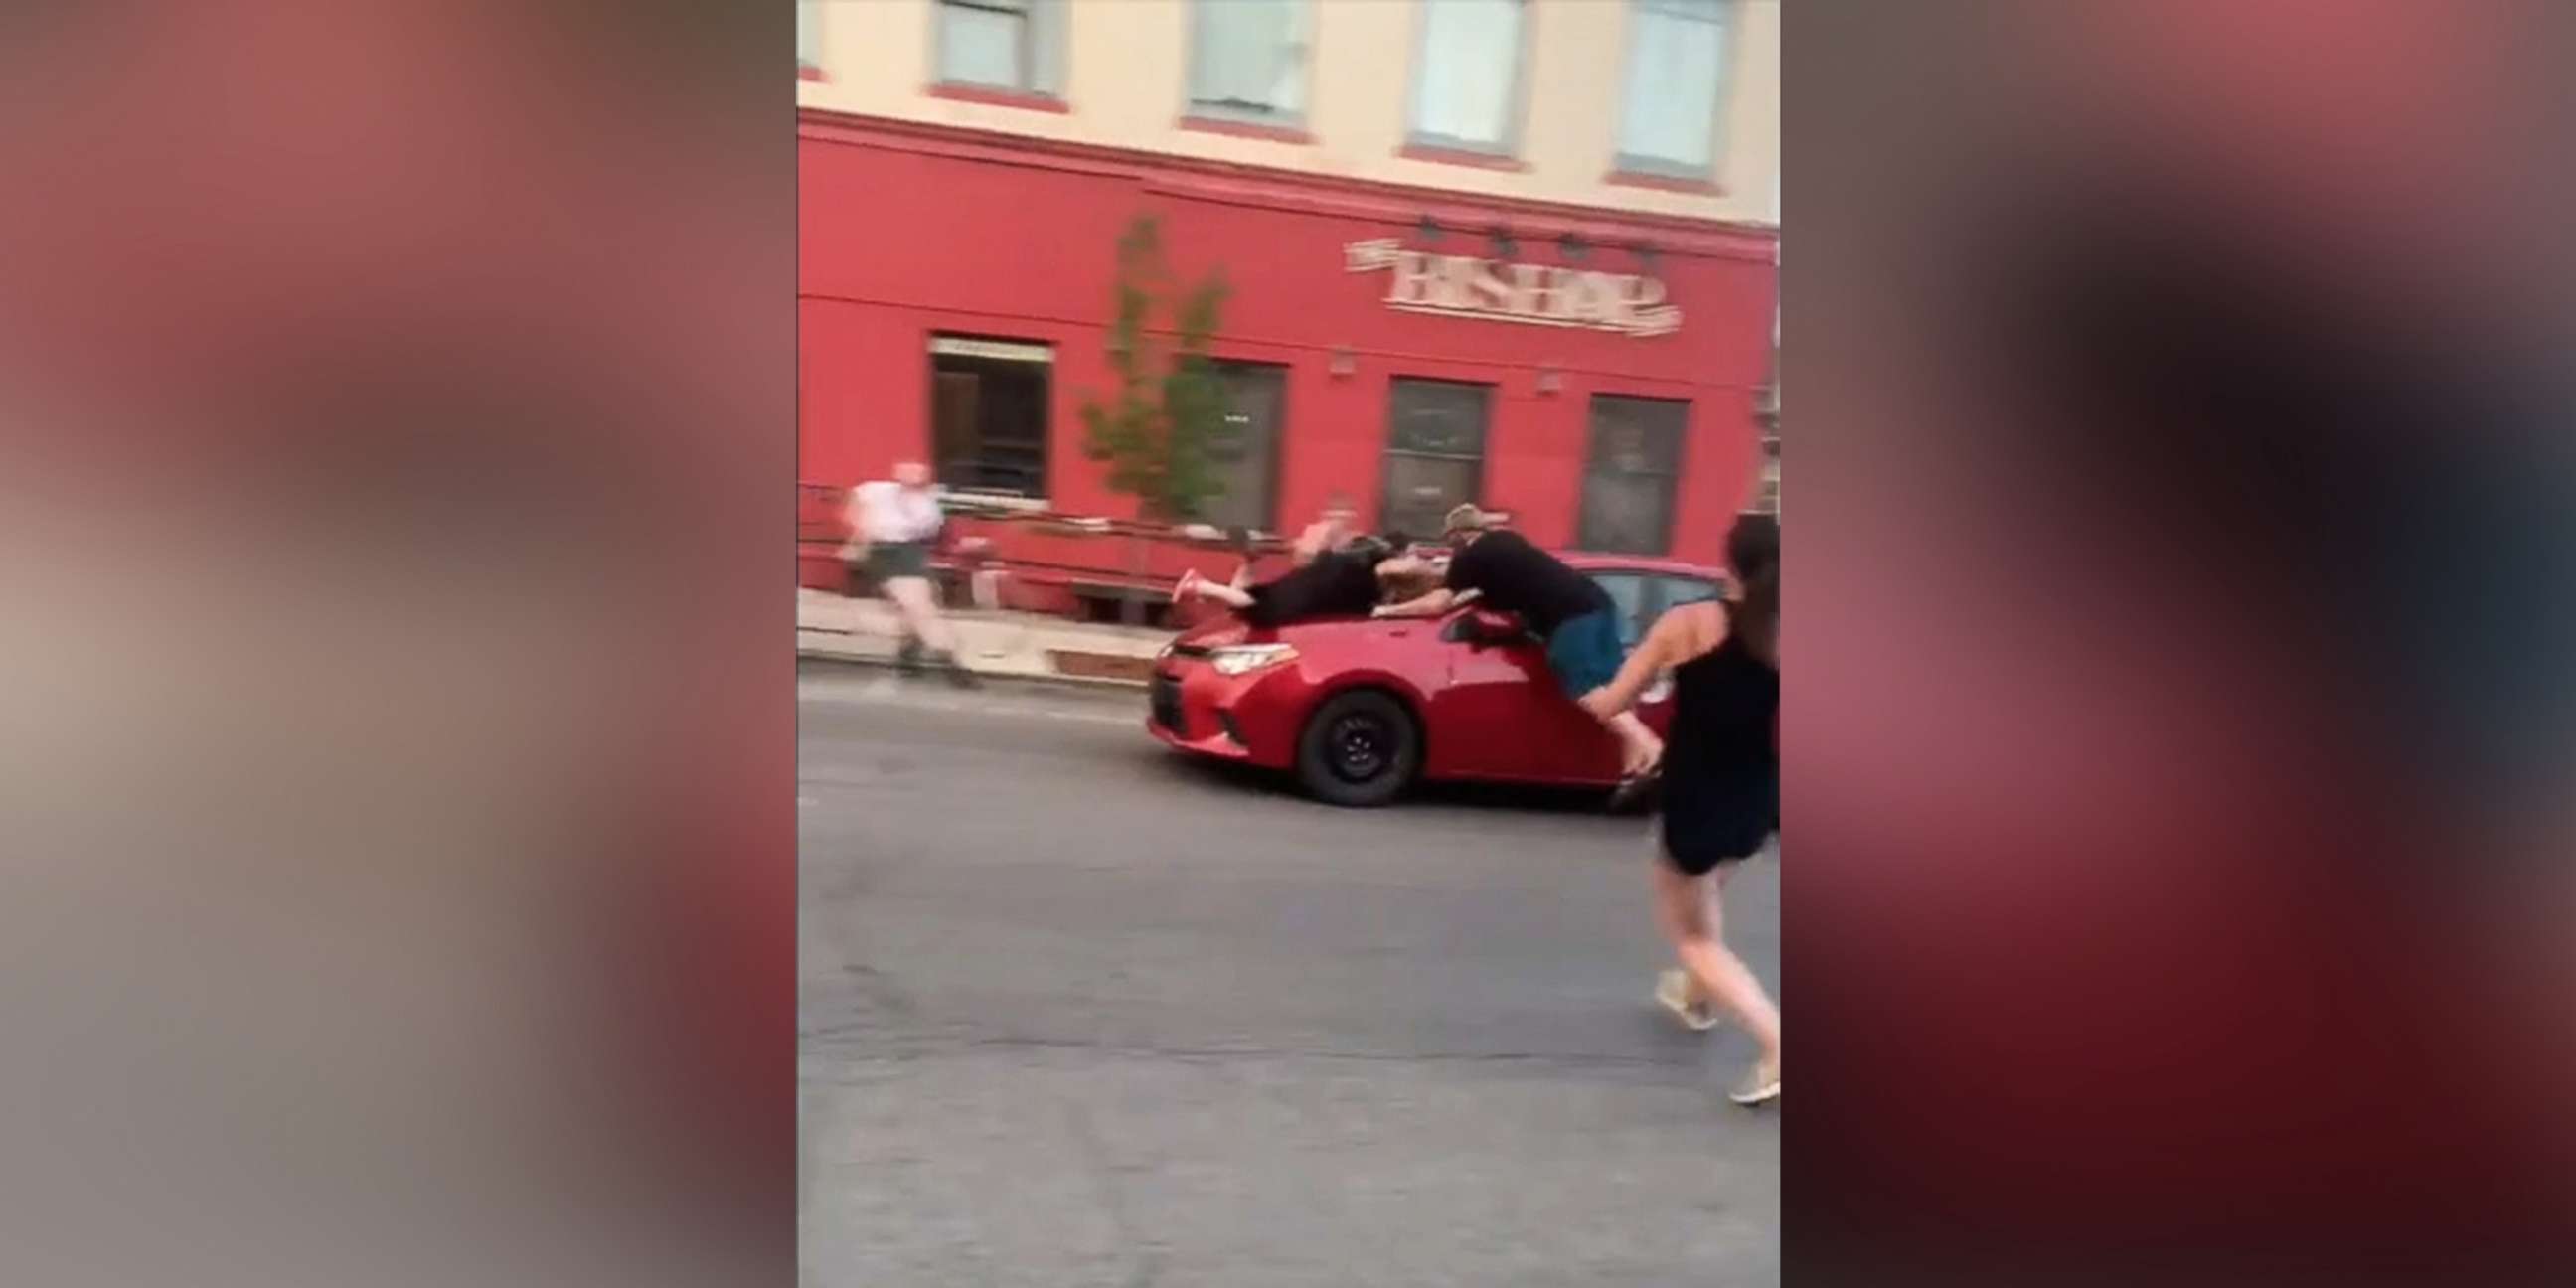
[1584,652]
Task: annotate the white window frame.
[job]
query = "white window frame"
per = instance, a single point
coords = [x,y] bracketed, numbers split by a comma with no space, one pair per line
[1192,107]
[1042,82]
[1626,162]
[1516,102]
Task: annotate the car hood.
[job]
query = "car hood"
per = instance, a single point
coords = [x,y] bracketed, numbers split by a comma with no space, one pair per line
[1223,631]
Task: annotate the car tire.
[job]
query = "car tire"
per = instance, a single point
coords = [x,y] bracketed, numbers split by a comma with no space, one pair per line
[1359,749]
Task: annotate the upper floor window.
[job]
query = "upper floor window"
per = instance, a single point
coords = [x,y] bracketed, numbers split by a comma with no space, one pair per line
[1466,86]
[809,33]
[1248,60]
[1676,72]
[1003,44]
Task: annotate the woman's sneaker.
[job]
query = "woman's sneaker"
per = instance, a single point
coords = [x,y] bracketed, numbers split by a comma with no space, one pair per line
[1761,1084]
[1672,988]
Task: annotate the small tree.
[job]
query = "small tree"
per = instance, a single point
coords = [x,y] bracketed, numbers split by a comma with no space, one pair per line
[1159,429]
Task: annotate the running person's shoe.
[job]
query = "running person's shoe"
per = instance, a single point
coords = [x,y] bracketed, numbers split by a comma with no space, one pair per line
[1672,988]
[1761,1084]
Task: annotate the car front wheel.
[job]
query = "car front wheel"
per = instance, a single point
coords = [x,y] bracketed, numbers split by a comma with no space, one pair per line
[1359,749]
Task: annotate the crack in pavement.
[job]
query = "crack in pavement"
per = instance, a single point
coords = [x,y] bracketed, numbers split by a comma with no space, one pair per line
[1148,1265]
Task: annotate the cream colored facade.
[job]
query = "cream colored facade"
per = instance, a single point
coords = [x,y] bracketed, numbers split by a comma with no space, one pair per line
[1125,76]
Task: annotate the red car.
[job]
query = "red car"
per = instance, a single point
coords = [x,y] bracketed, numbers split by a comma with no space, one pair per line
[1358,709]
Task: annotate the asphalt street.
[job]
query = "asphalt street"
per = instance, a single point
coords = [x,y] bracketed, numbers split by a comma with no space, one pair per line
[1075,1011]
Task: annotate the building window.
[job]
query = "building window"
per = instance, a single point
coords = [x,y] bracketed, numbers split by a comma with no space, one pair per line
[1629,478]
[988,413]
[1466,87]
[1676,71]
[809,33]
[1435,453]
[1013,45]
[1248,60]
[1246,458]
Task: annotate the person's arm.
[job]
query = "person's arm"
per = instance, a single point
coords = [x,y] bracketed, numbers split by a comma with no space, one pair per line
[1675,639]
[1431,605]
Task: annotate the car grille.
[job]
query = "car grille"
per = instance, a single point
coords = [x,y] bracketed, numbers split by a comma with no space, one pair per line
[1166,697]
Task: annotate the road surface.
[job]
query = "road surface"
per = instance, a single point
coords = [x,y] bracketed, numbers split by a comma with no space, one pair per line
[1077,1012]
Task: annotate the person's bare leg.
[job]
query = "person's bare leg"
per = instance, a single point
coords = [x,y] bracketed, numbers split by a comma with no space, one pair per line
[907,641]
[919,608]
[1230,596]
[1691,911]
[1242,579]
[1639,748]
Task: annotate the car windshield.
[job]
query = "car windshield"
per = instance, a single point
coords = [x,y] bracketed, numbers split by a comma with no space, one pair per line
[1638,598]
[1628,599]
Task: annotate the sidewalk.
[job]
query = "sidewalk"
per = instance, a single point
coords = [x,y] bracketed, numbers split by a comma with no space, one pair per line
[1026,646]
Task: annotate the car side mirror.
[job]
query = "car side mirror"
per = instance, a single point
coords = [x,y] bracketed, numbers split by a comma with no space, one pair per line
[1480,630]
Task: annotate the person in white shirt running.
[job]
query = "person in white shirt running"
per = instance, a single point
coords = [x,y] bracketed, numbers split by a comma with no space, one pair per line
[893,523]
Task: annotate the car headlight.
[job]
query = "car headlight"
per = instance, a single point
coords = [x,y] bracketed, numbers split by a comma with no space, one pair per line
[1243,659]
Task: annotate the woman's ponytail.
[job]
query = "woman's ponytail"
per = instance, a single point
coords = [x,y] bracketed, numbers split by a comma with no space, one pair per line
[1753,551]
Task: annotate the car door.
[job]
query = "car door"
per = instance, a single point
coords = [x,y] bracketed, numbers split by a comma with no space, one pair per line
[1483,721]
[1503,716]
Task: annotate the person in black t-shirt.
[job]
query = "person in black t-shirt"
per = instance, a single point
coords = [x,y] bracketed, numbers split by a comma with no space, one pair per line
[1560,605]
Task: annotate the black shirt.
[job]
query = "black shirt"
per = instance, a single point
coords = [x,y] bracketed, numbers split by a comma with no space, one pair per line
[1518,577]
[1332,584]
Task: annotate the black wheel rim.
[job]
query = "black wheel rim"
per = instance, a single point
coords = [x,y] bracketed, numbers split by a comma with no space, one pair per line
[1360,747]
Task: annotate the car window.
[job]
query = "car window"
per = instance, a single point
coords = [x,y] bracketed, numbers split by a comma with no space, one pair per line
[1634,607]
[1678,591]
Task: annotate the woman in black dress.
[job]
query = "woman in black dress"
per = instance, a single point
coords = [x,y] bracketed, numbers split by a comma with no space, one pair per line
[1721,783]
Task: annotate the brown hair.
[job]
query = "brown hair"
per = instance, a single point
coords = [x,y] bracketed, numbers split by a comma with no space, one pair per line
[1753,551]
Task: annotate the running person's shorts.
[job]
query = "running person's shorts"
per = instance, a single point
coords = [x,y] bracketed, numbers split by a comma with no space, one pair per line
[1585,653]
[892,560]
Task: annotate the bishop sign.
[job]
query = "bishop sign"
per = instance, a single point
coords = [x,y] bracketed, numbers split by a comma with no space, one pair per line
[1536,294]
